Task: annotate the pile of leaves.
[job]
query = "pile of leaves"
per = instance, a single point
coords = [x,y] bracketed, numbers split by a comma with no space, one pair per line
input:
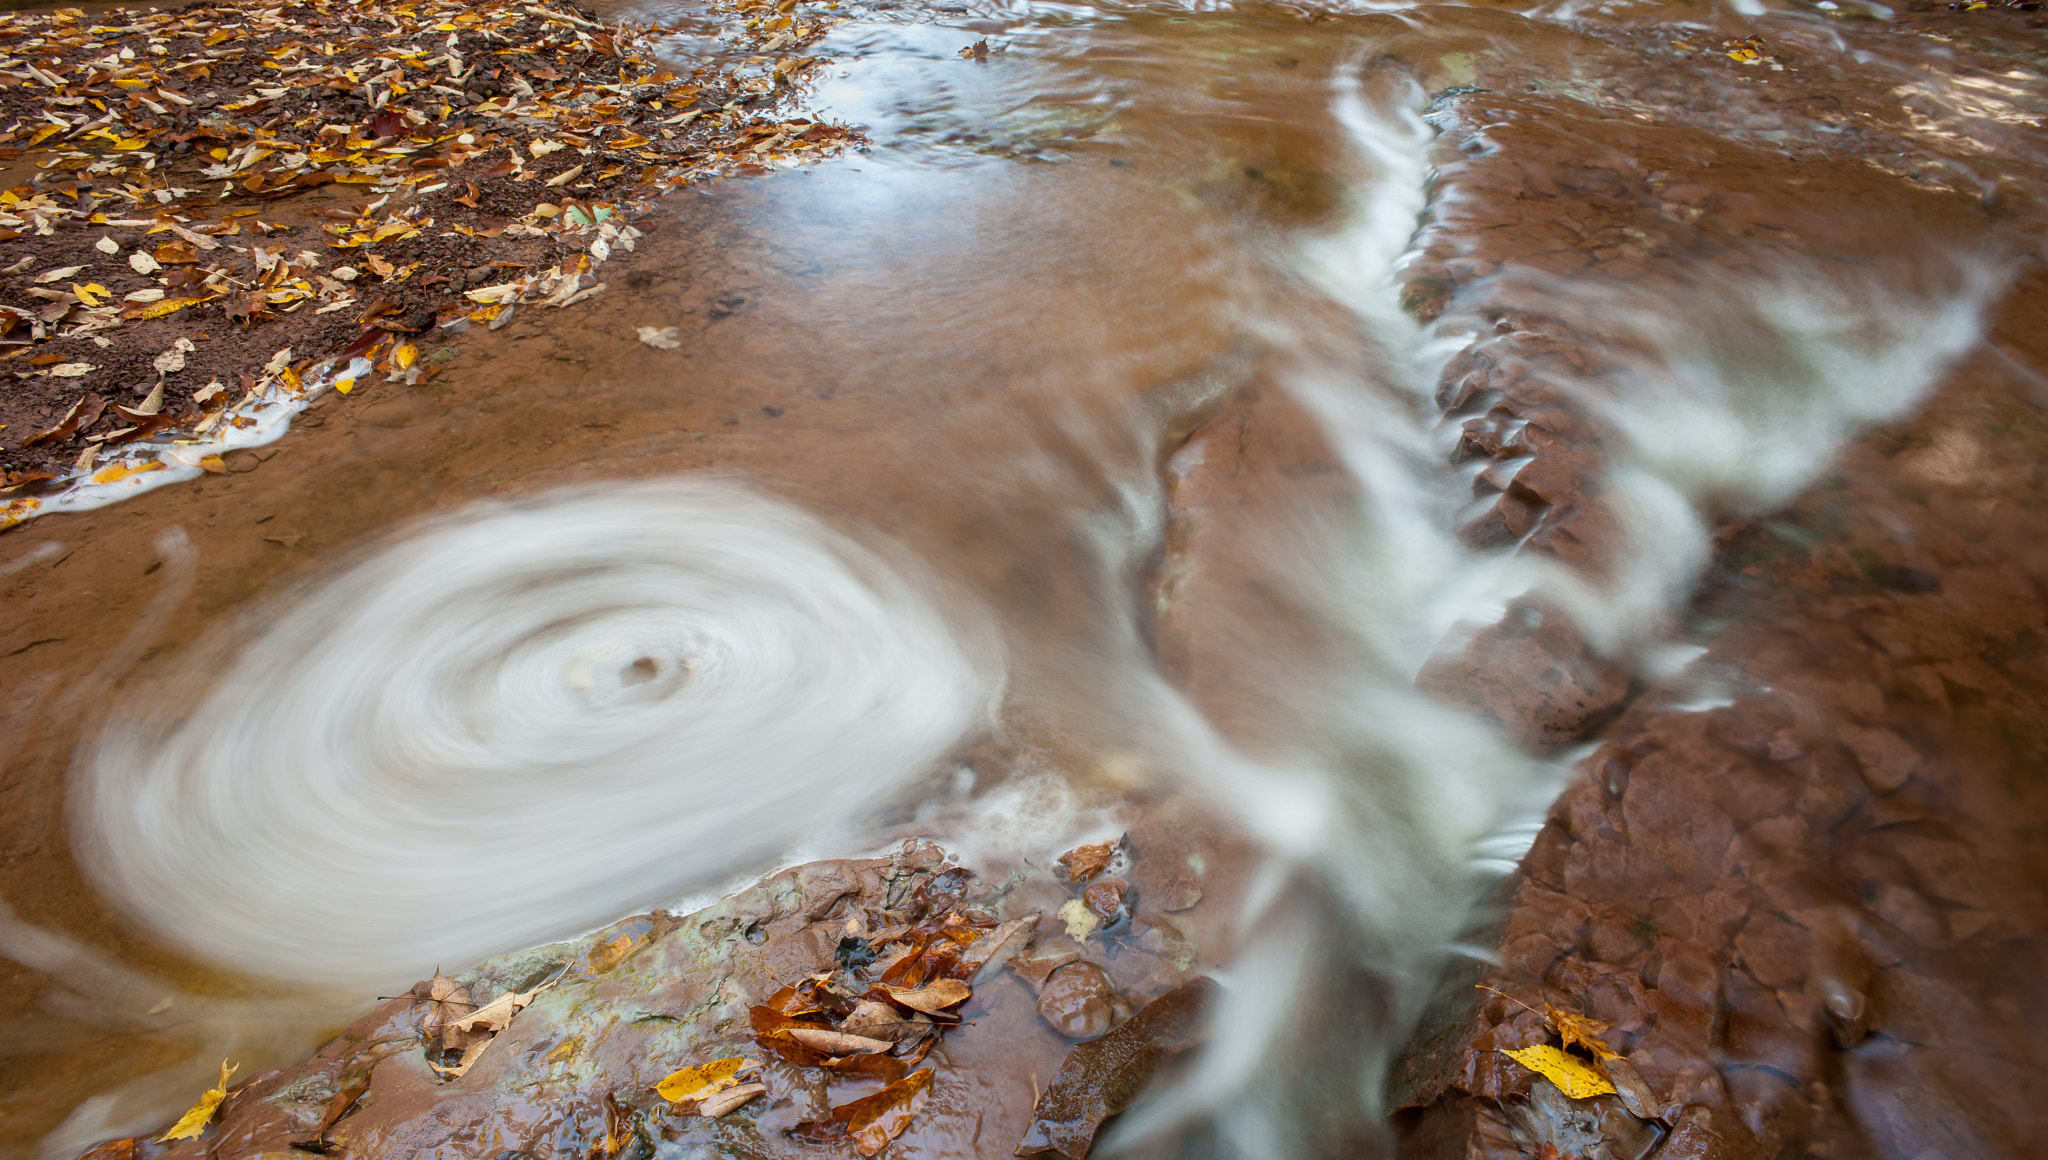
[893,993]
[211,186]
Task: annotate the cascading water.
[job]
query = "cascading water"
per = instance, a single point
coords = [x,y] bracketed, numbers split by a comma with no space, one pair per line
[523,719]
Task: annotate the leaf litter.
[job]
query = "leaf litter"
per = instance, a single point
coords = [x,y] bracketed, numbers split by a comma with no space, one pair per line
[349,175]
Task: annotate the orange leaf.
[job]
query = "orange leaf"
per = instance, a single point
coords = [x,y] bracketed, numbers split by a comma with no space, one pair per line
[875,1120]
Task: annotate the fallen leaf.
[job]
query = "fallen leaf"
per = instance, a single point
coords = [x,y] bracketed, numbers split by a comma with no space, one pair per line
[1573,1077]
[692,1083]
[875,1120]
[722,1102]
[200,1114]
[1104,1076]
[837,1042]
[72,370]
[84,413]
[344,1098]
[933,997]
[63,274]
[662,337]
[989,953]
[1080,921]
[107,246]
[1085,862]
[565,177]
[1579,1029]
[497,1014]
[165,307]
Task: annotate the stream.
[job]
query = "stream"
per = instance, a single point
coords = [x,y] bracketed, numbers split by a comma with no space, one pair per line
[1328,433]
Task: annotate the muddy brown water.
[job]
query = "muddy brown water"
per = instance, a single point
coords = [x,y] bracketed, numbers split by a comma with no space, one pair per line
[1104,332]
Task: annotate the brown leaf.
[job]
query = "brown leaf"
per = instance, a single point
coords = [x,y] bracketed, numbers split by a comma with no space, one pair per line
[337,1107]
[873,1121]
[720,1103]
[836,1043]
[994,949]
[933,997]
[769,1026]
[83,414]
[1085,862]
[1105,1076]
[445,998]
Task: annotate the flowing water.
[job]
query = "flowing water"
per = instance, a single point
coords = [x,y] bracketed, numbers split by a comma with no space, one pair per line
[1095,443]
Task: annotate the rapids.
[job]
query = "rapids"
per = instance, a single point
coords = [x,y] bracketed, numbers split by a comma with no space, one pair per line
[939,523]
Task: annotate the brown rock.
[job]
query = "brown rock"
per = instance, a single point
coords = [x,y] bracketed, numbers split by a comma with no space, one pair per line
[1077,1001]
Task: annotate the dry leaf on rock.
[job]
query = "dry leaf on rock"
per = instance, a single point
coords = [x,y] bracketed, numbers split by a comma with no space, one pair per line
[200,1114]
[497,1014]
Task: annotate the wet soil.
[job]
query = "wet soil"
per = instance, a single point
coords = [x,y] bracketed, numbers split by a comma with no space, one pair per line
[258,199]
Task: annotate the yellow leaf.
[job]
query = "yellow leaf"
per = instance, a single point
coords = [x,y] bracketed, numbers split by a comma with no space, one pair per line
[1582,1031]
[696,1082]
[167,306]
[195,1119]
[1573,1077]
[344,385]
[130,143]
[85,293]
[406,355]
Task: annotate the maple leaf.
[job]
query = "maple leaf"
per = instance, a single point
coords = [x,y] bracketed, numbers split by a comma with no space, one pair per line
[1581,1030]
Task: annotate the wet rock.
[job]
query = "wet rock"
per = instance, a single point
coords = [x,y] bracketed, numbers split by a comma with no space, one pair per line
[1100,1079]
[1078,1001]
[636,1000]
[1709,1133]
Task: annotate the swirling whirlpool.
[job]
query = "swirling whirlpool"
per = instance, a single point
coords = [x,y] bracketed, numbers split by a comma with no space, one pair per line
[519,721]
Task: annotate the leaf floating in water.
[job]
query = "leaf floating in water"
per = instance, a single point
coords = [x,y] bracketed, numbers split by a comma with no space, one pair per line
[1105,1076]
[199,1115]
[873,1121]
[1574,1077]
[662,337]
